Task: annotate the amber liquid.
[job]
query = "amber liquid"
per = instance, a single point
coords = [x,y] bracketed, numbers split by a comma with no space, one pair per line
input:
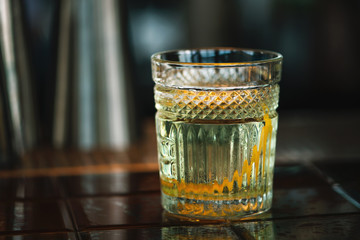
[216,168]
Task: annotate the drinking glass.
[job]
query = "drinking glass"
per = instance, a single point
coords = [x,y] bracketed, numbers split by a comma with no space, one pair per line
[216,125]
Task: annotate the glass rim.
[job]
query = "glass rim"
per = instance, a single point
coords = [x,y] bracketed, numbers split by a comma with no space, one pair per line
[156,57]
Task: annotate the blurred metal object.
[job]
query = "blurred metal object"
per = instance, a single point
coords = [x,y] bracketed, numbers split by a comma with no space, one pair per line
[93,95]
[17,118]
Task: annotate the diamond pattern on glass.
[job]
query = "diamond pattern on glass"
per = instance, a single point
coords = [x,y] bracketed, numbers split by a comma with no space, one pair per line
[217,105]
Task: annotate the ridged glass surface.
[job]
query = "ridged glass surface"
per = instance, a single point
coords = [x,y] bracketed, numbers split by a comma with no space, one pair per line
[216,154]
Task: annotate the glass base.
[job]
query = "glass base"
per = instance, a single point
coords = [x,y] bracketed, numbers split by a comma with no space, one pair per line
[217,209]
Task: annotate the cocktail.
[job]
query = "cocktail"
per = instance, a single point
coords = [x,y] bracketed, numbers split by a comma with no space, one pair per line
[216,126]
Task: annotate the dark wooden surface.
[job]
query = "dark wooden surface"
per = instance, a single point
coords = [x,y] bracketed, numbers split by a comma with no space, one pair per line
[316,195]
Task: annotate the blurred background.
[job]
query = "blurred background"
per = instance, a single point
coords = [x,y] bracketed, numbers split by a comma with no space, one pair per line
[319,41]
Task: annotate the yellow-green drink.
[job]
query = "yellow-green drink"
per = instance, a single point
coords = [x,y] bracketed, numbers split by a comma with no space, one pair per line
[216,126]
